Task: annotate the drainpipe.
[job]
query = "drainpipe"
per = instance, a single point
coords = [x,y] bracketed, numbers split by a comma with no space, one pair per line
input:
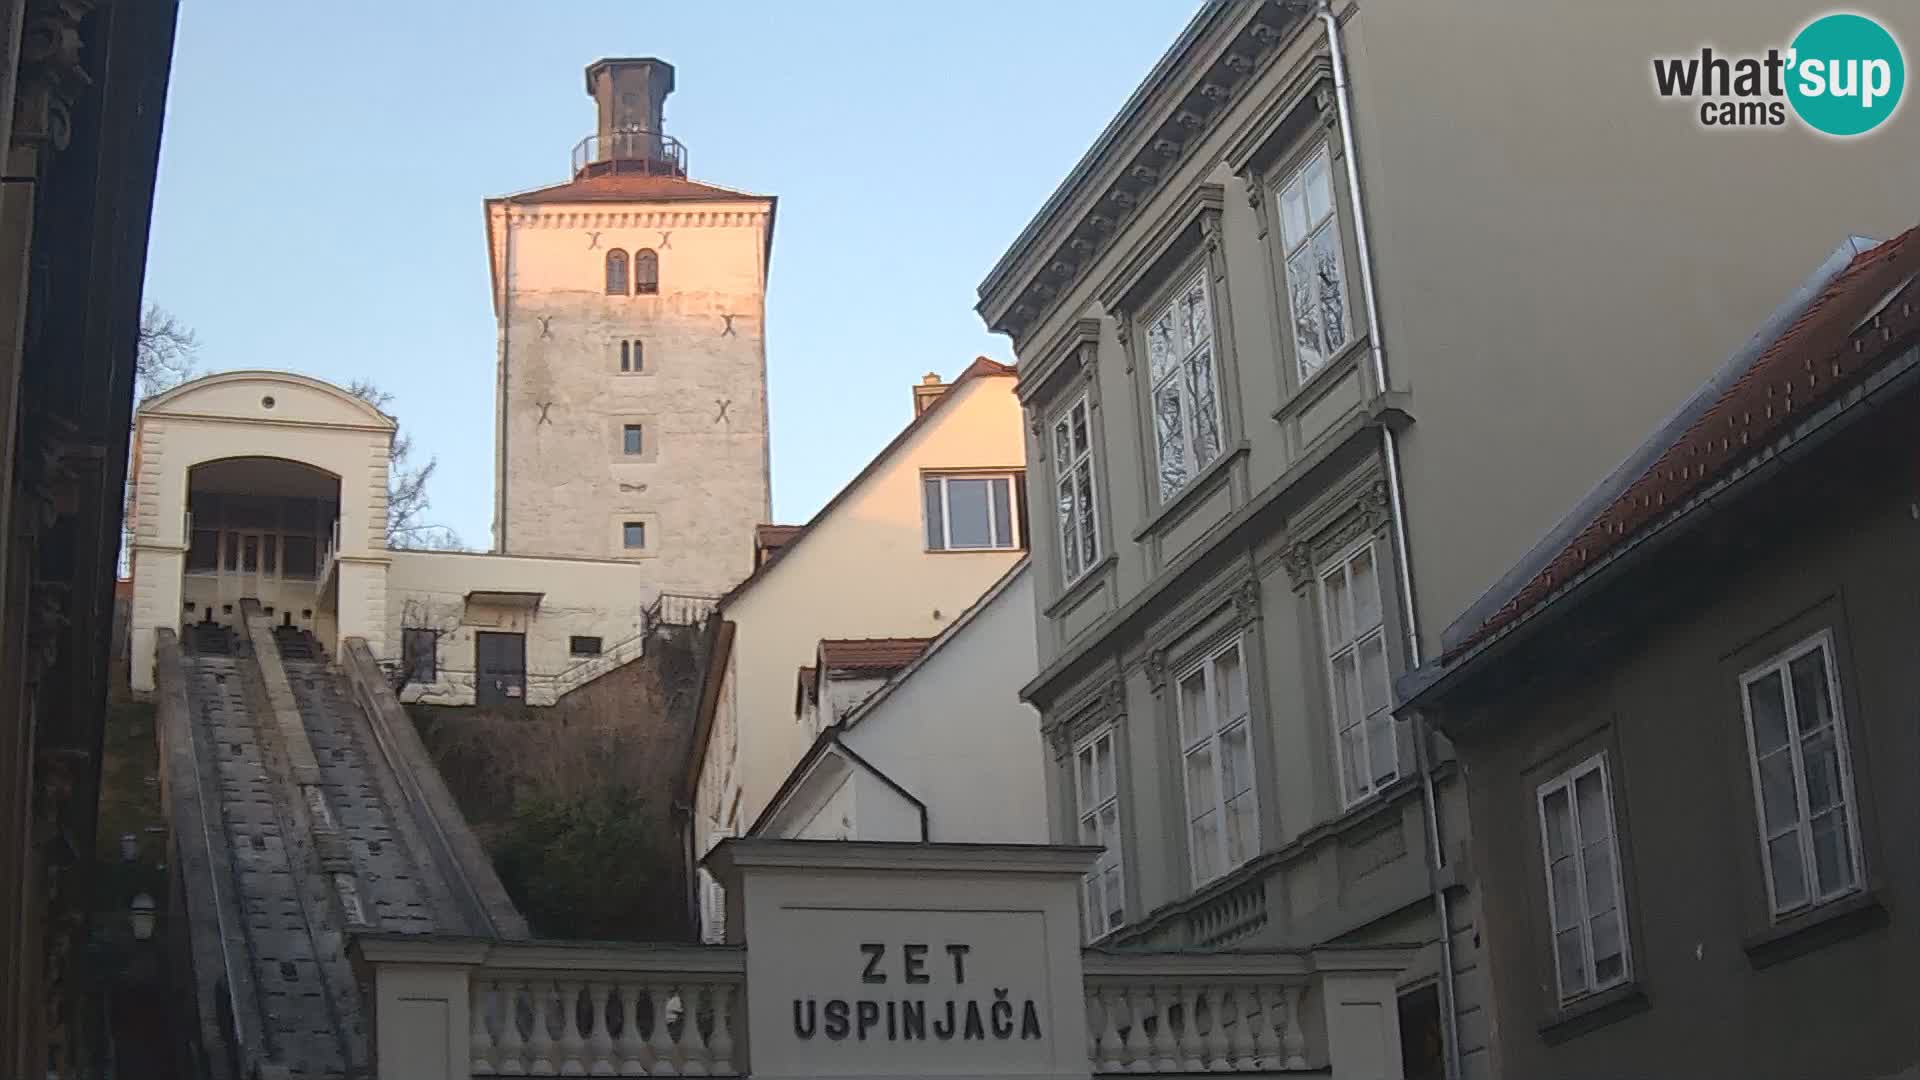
[500,407]
[1403,563]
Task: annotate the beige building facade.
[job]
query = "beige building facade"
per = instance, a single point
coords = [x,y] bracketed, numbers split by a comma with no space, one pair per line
[631,300]
[873,563]
[1318,338]
[272,487]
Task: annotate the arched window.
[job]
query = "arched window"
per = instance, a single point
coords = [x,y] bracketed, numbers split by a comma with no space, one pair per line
[616,273]
[646,272]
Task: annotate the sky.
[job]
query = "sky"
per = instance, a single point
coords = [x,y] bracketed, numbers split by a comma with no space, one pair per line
[323,165]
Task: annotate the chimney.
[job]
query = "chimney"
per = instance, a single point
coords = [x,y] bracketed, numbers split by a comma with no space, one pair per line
[927,392]
[631,94]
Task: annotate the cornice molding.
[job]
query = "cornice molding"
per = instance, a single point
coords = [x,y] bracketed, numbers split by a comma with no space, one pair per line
[1069,349]
[52,72]
[1145,262]
[1018,294]
[531,217]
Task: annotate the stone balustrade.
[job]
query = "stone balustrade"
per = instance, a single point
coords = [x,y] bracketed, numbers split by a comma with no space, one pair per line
[1196,1012]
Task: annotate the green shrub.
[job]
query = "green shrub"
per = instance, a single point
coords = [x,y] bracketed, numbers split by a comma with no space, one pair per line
[590,865]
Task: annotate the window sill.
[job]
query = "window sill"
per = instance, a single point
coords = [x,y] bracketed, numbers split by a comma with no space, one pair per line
[1594,1011]
[1196,489]
[975,551]
[1081,587]
[1335,369]
[1833,921]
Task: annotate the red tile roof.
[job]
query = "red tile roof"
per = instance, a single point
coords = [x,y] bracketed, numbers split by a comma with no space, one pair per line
[1822,352]
[630,187]
[870,654]
[769,539]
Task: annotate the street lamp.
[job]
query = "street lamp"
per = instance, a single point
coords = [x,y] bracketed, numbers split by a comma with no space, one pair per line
[142,916]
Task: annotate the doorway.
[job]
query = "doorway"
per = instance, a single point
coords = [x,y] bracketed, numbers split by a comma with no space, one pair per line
[500,668]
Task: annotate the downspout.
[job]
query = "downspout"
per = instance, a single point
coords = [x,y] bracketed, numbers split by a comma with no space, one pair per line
[500,410]
[1403,562]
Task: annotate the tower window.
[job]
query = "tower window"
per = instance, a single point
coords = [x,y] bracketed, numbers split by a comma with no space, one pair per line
[633,535]
[646,273]
[630,439]
[616,273]
[632,356]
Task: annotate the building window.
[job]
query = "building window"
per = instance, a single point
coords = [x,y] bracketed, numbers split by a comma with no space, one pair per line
[1073,468]
[1583,879]
[1097,802]
[419,650]
[633,534]
[1802,778]
[583,646]
[632,356]
[973,513]
[616,273]
[1185,402]
[1316,269]
[630,439]
[203,552]
[1222,828]
[299,554]
[646,272]
[1357,674]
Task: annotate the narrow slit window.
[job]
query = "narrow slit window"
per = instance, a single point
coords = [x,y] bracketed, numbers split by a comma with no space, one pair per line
[631,440]
[632,356]
[633,535]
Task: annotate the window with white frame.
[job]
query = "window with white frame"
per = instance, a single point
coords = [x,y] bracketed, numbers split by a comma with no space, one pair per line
[973,513]
[1184,389]
[1583,880]
[1802,779]
[1357,673]
[1316,268]
[1216,748]
[1096,796]
[1073,473]
[713,896]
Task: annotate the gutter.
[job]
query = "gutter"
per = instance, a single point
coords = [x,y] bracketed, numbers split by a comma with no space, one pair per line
[1403,562]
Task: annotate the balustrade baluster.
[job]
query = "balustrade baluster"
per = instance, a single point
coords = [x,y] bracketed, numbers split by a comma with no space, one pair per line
[1105,1049]
[661,1040]
[573,1045]
[1219,1051]
[1266,1034]
[690,1037]
[540,1039]
[632,1046]
[600,1043]
[1131,1053]
[1166,1056]
[1188,1036]
[722,1042]
[482,1041]
[1293,1040]
[513,1045]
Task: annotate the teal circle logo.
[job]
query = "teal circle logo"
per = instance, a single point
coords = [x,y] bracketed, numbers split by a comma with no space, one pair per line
[1846,74]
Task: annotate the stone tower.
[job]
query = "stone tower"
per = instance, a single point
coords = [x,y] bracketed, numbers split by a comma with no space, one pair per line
[631,405]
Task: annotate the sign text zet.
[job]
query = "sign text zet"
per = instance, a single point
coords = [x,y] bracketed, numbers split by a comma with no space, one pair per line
[916,1015]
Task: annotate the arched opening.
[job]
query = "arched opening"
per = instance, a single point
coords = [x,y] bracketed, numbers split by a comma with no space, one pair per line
[646,272]
[616,273]
[258,528]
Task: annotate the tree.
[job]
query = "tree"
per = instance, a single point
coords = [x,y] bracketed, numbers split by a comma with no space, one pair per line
[163,358]
[407,502]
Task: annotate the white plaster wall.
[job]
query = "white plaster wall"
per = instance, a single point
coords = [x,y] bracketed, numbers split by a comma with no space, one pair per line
[255,414]
[863,571]
[588,597]
[955,733]
[702,484]
[835,818]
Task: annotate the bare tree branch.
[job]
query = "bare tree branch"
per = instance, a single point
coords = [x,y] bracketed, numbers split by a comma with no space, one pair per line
[407,502]
[164,356]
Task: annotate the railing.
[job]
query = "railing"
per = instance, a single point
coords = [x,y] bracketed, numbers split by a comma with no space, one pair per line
[680,609]
[636,1011]
[329,553]
[630,150]
[1195,1012]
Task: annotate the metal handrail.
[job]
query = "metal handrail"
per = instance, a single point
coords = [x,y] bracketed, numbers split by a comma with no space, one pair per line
[631,149]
